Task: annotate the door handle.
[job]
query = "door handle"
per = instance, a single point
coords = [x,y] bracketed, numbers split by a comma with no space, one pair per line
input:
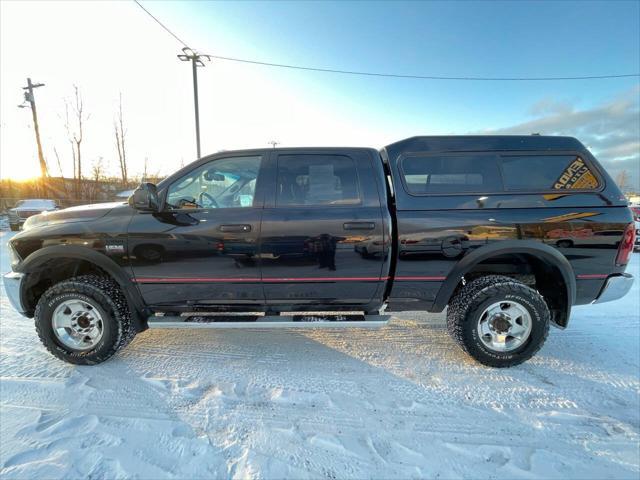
[359,225]
[235,228]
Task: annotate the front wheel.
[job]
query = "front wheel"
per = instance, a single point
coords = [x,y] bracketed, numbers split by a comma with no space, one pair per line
[498,321]
[84,320]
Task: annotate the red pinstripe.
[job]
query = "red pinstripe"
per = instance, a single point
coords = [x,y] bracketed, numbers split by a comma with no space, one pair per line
[266,280]
[278,279]
[590,276]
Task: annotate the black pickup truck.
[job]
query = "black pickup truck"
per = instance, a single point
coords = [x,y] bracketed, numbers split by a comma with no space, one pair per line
[509,232]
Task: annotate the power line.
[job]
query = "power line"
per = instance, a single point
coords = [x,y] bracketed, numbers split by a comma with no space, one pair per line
[188,55]
[395,75]
[422,77]
[161,24]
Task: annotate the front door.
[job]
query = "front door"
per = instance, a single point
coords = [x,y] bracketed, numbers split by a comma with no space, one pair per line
[322,233]
[201,249]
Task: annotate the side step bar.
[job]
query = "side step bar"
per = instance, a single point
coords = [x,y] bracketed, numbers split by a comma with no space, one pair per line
[269,321]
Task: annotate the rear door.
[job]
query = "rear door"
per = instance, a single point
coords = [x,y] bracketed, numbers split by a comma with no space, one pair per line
[322,238]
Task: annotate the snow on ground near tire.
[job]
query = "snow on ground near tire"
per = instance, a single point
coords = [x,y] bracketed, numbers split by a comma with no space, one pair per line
[402,401]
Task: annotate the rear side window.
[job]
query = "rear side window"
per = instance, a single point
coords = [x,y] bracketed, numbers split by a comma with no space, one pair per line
[547,172]
[317,180]
[477,173]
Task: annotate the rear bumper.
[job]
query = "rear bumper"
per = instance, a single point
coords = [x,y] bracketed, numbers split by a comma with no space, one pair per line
[616,286]
[13,287]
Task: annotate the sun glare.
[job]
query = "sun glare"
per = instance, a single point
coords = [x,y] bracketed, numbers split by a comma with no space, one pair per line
[18,171]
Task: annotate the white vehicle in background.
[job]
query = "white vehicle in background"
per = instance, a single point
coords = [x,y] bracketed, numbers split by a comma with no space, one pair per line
[27,208]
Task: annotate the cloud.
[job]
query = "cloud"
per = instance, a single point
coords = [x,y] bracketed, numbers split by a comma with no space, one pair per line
[549,106]
[611,130]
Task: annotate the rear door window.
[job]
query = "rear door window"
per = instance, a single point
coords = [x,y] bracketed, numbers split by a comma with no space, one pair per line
[308,179]
[541,173]
[449,174]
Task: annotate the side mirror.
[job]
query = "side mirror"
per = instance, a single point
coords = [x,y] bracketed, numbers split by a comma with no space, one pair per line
[145,198]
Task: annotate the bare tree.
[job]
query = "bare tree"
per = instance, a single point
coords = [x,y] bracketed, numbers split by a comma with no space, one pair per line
[64,183]
[55,151]
[75,134]
[622,179]
[97,174]
[67,127]
[97,169]
[120,132]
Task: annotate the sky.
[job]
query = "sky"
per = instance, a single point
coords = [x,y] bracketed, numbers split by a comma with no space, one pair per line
[112,48]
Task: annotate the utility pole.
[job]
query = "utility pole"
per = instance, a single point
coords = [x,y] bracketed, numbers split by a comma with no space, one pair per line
[274,143]
[30,97]
[189,55]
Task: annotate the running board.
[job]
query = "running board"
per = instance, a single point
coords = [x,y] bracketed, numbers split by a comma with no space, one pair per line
[268,321]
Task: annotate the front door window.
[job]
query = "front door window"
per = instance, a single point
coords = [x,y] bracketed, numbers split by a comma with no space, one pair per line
[223,183]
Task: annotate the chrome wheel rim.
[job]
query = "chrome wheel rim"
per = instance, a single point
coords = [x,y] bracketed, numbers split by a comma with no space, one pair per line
[504,326]
[77,324]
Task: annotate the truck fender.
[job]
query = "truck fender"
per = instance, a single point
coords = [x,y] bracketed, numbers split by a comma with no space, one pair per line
[38,258]
[529,247]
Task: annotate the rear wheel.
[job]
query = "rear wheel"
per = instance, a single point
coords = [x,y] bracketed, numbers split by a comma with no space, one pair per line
[498,321]
[84,320]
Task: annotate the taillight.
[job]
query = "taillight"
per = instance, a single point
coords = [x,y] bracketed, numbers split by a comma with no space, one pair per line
[626,245]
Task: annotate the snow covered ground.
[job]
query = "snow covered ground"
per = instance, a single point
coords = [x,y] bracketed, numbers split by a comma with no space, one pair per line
[399,402]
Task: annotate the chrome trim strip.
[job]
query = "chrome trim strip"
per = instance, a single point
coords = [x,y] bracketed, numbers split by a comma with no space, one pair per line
[268,321]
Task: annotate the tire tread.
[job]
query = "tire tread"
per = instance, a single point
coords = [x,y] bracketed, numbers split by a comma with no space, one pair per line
[108,294]
[479,290]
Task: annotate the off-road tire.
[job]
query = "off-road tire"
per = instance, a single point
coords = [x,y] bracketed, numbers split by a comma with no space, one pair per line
[104,294]
[470,301]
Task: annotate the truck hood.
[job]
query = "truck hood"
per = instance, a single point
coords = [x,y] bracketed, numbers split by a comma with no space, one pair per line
[82,213]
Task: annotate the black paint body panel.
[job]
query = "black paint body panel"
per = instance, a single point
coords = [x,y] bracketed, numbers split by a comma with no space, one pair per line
[436,231]
[190,247]
[321,249]
[405,249]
